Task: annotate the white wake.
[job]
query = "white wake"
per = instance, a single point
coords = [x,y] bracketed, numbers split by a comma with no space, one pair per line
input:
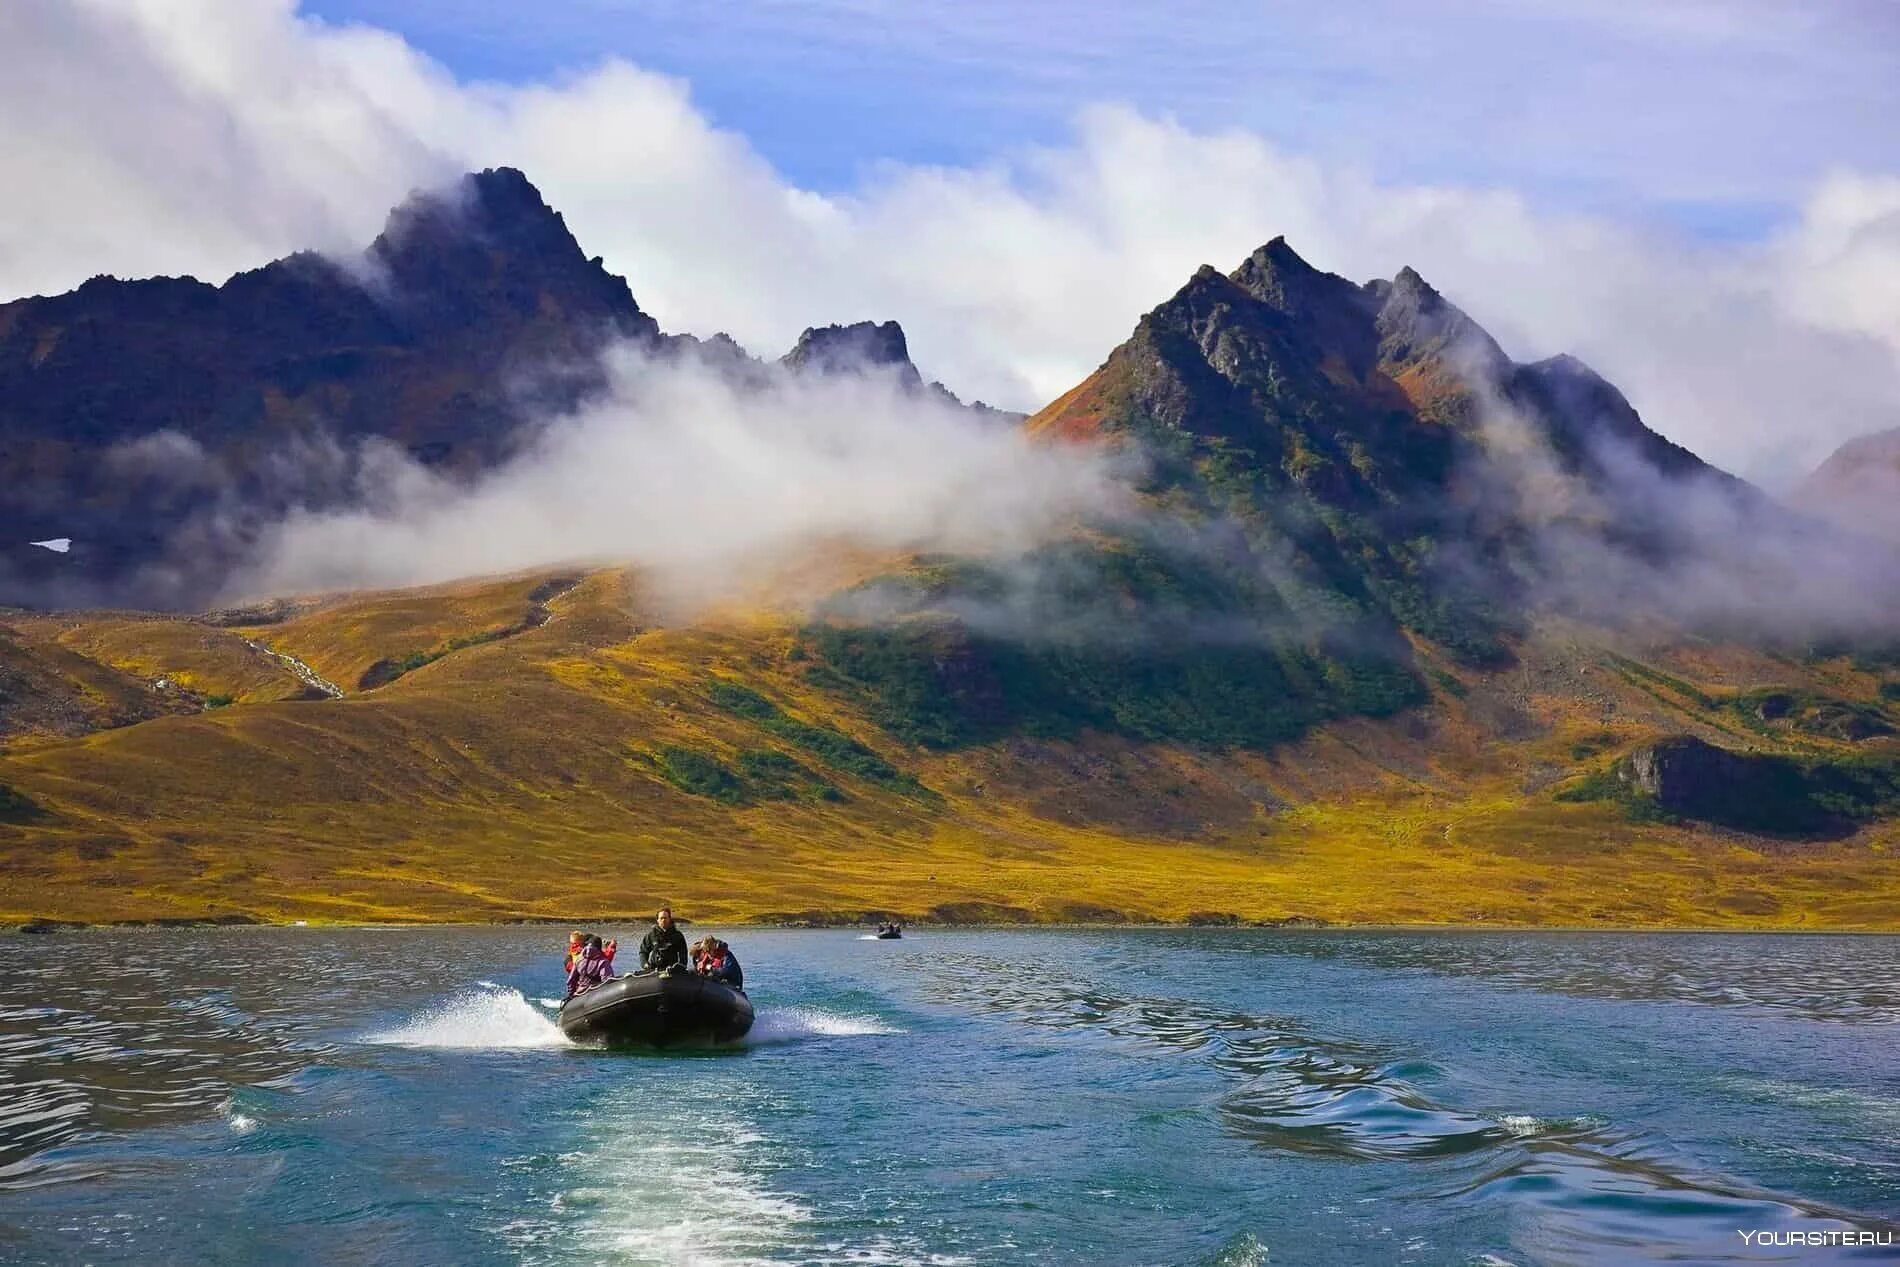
[488,1016]
[791,1024]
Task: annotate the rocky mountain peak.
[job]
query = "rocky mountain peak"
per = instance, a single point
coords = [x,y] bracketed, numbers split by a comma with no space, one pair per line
[490,238]
[853,349]
[1276,275]
[1416,324]
[498,207]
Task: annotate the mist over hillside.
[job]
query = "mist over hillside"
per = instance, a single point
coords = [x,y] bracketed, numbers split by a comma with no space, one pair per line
[1299,547]
[473,395]
[181,436]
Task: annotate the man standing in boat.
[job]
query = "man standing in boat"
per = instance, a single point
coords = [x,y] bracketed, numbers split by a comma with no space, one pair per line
[664,946]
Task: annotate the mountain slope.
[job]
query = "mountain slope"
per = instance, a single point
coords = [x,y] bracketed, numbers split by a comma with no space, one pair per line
[1858,487]
[602,760]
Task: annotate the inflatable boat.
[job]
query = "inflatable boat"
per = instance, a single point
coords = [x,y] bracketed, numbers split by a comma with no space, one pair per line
[657,1010]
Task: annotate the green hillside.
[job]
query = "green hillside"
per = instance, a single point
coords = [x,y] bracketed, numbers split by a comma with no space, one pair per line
[601,761]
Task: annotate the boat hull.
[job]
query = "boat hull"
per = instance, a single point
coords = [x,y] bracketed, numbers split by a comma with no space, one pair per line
[658,1011]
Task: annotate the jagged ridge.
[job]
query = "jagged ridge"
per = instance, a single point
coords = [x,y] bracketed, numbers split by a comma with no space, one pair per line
[129,410]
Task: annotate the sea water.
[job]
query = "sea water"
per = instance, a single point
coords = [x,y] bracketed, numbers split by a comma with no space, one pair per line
[1121,1097]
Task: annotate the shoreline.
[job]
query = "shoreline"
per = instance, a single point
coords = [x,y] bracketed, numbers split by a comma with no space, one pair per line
[1294,924]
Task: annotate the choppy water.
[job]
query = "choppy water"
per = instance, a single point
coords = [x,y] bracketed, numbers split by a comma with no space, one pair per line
[1220,1097]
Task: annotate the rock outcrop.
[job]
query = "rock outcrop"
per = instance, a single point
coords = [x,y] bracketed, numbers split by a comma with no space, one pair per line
[863,346]
[1764,793]
[1687,776]
[877,347]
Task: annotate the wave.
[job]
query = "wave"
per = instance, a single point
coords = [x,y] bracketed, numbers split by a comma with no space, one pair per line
[793,1024]
[1301,1093]
[488,1016]
[241,1123]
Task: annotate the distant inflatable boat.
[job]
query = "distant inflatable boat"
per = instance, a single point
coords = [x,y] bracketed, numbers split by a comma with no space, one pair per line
[890,934]
[658,1011]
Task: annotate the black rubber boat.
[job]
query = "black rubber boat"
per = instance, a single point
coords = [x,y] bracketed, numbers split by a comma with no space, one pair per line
[890,934]
[658,1011]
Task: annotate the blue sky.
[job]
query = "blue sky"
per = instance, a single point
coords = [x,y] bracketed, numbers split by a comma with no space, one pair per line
[1711,117]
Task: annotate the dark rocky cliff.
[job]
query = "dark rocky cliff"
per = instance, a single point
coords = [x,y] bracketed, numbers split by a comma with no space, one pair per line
[130,408]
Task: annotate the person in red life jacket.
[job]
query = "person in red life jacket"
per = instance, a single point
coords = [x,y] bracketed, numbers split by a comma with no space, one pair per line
[607,953]
[722,965]
[575,940]
[589,970]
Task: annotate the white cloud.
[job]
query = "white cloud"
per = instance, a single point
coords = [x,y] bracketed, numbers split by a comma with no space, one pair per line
[1843,261]
[713,486]
[233,132]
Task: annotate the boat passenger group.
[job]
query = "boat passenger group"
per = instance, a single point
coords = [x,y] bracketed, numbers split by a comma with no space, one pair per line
[590,961]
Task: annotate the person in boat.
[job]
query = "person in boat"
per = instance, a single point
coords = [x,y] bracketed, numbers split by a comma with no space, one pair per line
[575,940]
[664,946]
[608,949]
[592,968]
[722,965]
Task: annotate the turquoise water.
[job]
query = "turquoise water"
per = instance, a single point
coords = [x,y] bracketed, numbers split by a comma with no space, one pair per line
[1173,1097]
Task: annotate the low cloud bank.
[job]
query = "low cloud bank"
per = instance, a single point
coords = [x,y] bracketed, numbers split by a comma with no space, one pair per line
[705,479]
[1611,536]
[715,481]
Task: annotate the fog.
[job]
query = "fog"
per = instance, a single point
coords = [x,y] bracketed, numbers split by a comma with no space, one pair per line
[707,480]
[1607,535]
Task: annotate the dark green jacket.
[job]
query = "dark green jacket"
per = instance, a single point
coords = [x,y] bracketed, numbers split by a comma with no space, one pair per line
[661,948]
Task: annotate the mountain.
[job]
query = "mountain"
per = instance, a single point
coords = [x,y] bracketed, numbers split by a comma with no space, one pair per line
[1858,487]
[1347,487]
[862,347]
[870,347]
[1347,655]
[1355,394]
[157,423]
[127,408]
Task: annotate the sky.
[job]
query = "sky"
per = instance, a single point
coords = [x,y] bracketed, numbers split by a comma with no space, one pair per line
[1713,116]
[1700,199]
